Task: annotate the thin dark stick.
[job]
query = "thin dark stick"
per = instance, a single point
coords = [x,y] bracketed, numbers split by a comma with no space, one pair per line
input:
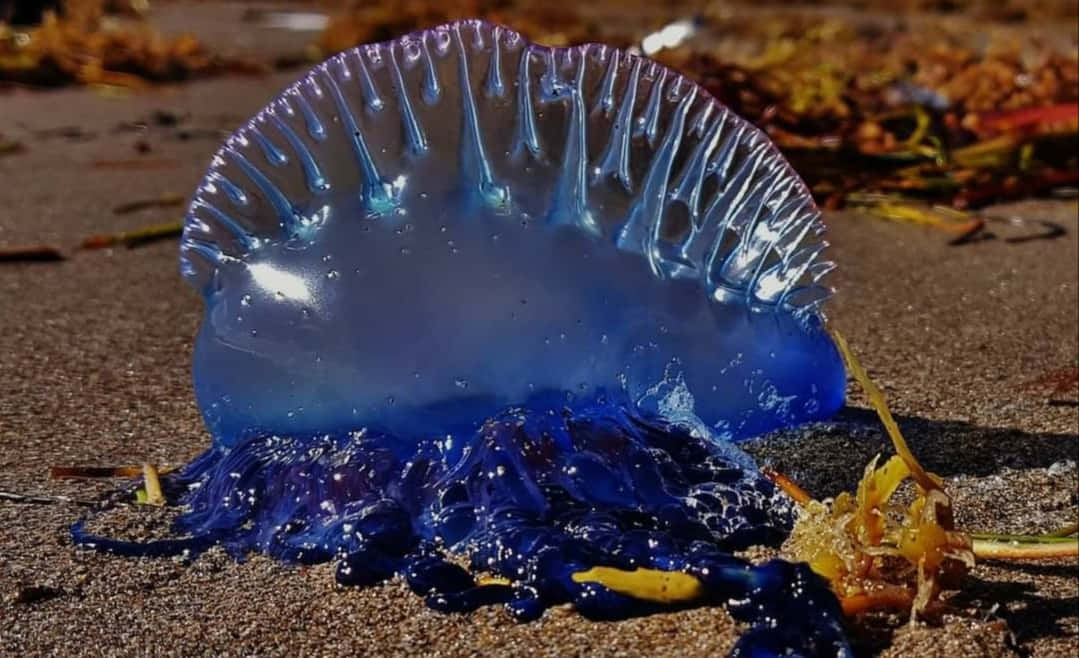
[43,500]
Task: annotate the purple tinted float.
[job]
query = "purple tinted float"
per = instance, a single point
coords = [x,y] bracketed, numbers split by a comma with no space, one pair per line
[422,232]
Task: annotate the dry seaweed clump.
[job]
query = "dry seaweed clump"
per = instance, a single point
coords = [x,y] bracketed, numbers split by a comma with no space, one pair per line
[933,110]
[87,46]
[547,23]
[875,551]
[959,112]
[844,79]
[994,10]
[878,553]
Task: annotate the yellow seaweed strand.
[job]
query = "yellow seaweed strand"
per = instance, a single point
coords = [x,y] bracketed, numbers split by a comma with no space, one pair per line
[136,237]
[645,584]
[789,486]
[894,209]
[154,495]
[876,399]
[1016,550]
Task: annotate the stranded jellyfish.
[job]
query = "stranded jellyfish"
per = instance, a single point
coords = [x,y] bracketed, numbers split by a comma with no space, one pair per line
[468,296]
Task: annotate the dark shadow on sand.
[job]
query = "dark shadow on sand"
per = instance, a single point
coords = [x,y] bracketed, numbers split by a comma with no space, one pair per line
[1027,613]
[828,458]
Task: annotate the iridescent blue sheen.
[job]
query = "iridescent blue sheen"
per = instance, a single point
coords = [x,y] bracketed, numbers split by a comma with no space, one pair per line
[551,220]
[468,294]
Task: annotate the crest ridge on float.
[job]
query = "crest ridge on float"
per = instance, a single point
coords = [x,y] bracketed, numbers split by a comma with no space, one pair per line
[589,136]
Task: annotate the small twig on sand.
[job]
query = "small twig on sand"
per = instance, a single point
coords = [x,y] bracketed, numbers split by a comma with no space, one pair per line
[135,163]
[797,493]
[93,472]
[145,204]
[36,253]
[42,500]
[10,147]
[135,238]
[150,494]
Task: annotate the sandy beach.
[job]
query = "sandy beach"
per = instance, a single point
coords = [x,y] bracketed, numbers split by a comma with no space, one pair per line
[95,369]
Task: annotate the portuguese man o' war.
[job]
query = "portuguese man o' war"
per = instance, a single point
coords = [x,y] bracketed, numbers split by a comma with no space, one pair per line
[469,295]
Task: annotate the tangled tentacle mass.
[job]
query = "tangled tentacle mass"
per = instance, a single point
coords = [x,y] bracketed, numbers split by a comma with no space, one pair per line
[533,498]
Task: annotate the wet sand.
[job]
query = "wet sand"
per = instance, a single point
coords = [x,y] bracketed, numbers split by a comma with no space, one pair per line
[95,370]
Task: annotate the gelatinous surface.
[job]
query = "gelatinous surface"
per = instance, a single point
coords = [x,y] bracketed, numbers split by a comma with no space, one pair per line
[468,294]
[420,233]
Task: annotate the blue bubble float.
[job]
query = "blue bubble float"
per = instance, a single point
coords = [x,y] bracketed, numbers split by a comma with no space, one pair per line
[470,296]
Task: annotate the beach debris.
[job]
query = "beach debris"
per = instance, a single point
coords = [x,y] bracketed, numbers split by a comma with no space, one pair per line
[130,239]
[965,227]
[135,238]
[898,111]
[1030,229]
[546,23]
[915,113]
[1060,386]
[151,493]
[10,146]
[27,594]
[961,226]
[135,163]
[69,133]
[1061,118]
[31,499]
[1059,544]
[93,472]
[85,45]
[878,553]
[170,201]
[171,125]
[168,118]
[30,254]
